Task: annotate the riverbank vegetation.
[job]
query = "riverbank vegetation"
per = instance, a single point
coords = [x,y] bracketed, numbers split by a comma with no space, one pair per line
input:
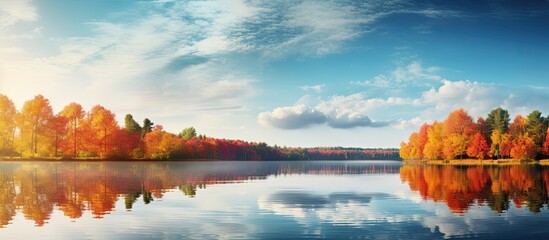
[36,132]
[459,137]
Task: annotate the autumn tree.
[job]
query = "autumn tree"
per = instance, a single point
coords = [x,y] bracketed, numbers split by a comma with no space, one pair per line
[518,126]
[7,124]
[484,128]
[506,145]
[501,144]
[495,149]
[455,145]
[34,125]
[404,151]
[458,129]
[125,145]
[524,147]
[413,144]
[59,126]
[423,137]
[433,147]
[74,115]
[478,147]
[133,129]
[188,133]
[459,122]
[103,124]
[545,149]
[160,144]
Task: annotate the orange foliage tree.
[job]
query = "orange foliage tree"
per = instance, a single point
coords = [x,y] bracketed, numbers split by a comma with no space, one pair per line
[159,144]
[459,122]
[103,124]
[478,147]
[524,147]
[59,126]
[458,128]
[74,115]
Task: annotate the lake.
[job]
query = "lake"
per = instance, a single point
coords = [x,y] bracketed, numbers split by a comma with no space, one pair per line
[270,200]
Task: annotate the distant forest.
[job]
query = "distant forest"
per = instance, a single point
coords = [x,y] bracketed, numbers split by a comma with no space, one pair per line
[37,132]
[459,137]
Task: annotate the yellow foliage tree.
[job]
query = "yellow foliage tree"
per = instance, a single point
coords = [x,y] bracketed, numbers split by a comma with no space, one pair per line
[434,145]
[7,125]
[103,124]
[455,145]
[35,131]
[74,115]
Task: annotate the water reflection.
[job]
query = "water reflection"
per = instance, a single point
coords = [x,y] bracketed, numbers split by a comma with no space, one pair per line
[35,189]
[461,188]
[270,200]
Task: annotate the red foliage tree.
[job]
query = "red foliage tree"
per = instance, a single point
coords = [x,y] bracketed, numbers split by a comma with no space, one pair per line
[478,147]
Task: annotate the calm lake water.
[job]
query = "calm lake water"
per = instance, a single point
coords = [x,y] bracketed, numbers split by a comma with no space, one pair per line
[270,200]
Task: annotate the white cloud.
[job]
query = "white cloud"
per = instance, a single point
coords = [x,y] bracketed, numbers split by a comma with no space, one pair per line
[320,28]
[35,33]
[316,88]
[213,45]
[178,55]
[350,111]
[478,99]
[338,112]
[315,35]
[294,117]
[161,39]
[160,57]
[14,11]
[379,81]
[412,74]
[413,123]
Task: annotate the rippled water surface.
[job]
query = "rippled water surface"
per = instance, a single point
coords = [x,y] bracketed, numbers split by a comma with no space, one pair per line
[270,200]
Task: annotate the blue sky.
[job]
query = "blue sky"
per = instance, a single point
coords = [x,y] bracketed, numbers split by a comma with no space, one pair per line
[295,73]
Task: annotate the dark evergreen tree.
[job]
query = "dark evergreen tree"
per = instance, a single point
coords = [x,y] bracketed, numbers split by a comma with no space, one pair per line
[498,119]
[131,125]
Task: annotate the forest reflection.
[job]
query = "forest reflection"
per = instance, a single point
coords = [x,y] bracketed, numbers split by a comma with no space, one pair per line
[460,188]
[36,189]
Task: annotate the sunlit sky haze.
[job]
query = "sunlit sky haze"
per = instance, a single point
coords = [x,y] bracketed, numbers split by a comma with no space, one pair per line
[294,73]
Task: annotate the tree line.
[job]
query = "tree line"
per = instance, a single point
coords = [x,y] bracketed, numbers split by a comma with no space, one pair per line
[36,131]
[495,137]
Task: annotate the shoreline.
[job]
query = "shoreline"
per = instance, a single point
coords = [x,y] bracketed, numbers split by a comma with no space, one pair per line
[452,162]
[48,159]
[477,162]
[24,159]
